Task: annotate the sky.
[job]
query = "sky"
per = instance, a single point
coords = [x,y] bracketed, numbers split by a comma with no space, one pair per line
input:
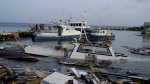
[104,12]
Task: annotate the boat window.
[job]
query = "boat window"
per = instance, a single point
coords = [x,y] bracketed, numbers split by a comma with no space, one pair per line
[83,24]
[80,24]
[84,48]
[67,28]
[102,50]
[71,24]
[103,31]
[77,24]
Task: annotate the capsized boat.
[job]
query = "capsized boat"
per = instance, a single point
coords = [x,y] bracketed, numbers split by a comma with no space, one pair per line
[10,54]
[95,52]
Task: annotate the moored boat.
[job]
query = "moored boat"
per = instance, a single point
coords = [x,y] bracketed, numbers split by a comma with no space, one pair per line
[58,32]
[100,34]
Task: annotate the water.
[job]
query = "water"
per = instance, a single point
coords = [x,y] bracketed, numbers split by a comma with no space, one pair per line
[136,63]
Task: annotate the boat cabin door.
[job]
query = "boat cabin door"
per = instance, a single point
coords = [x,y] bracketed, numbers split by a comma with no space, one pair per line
[60,31]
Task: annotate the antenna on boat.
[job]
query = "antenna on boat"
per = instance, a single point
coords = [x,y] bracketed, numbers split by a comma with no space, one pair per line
[100,23]
[62,15]
[84,16]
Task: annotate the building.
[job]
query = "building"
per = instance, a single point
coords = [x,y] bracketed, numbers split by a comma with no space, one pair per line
[146,24]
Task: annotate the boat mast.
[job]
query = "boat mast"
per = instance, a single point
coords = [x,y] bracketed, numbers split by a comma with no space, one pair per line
[84,16]
[100,23]
[62,15]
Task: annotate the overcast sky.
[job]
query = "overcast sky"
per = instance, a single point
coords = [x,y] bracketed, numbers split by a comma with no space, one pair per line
[110,12]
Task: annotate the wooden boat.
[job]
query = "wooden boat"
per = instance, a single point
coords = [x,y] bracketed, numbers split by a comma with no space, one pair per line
[10,54]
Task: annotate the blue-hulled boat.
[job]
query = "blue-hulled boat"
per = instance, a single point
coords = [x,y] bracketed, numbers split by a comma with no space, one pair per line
[58,32]
[100,34]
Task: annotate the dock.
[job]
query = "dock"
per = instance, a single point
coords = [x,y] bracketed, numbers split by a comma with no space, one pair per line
[7,36]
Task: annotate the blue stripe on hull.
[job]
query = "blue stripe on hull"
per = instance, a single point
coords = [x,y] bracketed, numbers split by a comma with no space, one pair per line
[62,38]
[95,37]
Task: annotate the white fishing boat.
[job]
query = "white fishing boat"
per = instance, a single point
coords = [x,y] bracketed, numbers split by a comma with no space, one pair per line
[95,52]
[79,25]
[58,32]
[101,34]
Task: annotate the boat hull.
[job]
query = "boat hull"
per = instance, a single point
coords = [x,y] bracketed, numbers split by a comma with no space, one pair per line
[40,51]
[56,38]
[102,37]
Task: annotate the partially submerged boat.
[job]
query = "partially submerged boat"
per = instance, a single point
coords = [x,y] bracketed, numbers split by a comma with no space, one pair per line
[57,51]
[140,51]
[10,54]
[95,52]
[80,51]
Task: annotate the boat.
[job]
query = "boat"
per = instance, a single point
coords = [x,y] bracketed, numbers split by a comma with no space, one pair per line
[56,51]
[141,51]
[95,52]
[45,52]
[81,51]
[57,32]
[80,25]
[101,34]
[19,56]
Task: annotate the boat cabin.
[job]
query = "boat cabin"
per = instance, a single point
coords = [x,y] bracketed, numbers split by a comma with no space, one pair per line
[78,24]
[100,32]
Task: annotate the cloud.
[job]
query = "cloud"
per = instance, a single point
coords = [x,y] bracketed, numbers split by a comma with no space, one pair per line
[129,7]
[107,7]
[140,1]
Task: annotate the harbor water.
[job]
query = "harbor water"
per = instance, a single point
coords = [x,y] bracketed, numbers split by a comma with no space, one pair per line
[136,63]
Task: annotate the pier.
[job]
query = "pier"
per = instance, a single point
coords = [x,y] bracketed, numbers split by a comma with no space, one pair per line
[7,36]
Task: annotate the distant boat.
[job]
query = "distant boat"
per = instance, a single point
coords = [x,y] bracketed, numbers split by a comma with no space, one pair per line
[141,51]
[58,32]
[100,34]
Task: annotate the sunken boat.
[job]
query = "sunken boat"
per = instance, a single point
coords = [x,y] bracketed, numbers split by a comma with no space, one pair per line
[19,56]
